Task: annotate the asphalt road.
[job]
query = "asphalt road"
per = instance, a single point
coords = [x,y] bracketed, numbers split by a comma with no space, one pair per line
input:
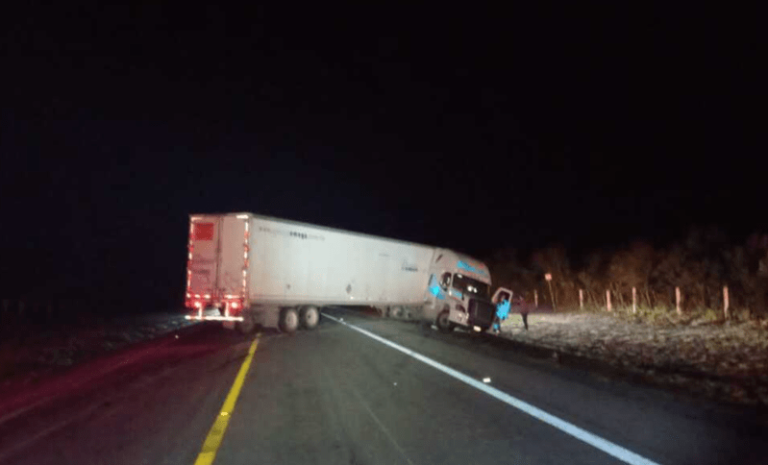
[337,396]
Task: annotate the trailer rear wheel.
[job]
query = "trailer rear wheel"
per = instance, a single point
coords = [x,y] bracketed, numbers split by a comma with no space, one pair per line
[289,320]
[247,325]
[443,323]
[310,317]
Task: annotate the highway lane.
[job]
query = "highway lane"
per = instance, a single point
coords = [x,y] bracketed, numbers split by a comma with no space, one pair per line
[336,396]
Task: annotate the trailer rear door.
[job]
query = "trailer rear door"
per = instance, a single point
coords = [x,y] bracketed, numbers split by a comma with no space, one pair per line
[233,256]
[218,254]
[202,265]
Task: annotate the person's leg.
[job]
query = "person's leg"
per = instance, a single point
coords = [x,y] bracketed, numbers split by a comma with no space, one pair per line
[525,320]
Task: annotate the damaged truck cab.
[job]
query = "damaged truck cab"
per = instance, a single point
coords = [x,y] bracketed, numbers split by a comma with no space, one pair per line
[458,294]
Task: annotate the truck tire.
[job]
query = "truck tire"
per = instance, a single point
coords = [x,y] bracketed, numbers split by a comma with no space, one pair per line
[442,322]
[247,326]
[310,317]
[289,320]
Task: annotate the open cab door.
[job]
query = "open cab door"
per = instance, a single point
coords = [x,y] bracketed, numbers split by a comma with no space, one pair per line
[501,295]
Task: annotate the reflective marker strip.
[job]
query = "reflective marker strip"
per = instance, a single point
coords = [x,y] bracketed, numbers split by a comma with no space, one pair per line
[216,434]
[606,446]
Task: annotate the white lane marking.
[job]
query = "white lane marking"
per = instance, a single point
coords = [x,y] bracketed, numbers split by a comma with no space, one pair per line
[604,445]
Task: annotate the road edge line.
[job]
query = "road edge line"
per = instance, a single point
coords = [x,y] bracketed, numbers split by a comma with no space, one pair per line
[614,450]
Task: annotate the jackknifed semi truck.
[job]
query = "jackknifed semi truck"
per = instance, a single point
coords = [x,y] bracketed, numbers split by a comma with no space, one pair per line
[249,270]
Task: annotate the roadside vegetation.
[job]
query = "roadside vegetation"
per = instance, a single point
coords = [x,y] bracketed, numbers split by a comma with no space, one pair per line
[677,331]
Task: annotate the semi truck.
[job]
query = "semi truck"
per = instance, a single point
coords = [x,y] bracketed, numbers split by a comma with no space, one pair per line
[250,270]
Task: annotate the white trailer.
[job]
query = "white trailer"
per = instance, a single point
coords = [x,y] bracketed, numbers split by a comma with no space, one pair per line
[251,269]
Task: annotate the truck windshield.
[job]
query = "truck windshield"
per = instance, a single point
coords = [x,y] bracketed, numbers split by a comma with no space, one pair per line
[468,285]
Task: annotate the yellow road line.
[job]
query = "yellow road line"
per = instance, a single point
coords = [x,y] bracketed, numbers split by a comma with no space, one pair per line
[216,434]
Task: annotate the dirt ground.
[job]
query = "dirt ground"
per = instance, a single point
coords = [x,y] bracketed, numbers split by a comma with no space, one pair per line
[30,353]
[723,360]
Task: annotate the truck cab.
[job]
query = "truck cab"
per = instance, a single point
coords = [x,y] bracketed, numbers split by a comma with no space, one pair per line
[458,294]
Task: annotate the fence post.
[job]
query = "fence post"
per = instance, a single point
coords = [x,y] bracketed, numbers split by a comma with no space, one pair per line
[677,300]
[581,299]
[608,300]
[535,298]
[548,277]
[634,299]
[725,302]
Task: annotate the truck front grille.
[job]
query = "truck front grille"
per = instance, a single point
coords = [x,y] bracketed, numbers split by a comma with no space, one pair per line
[481,313]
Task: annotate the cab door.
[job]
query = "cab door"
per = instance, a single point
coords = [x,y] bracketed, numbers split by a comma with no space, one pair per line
[502,298]
[501,295]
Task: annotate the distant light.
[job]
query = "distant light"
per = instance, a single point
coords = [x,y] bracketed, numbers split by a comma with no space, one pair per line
[486,380]
[548,276]
[242,217]
[477,328]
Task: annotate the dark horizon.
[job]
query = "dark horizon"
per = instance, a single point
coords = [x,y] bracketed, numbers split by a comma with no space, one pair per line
[476,131]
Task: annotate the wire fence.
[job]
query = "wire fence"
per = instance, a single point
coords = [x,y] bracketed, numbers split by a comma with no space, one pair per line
[722,303]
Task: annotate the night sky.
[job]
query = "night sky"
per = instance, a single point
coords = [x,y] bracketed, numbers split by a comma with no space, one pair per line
[469,128]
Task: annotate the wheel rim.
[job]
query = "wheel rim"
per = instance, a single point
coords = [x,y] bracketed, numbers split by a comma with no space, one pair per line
[311,317]
[442,320]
